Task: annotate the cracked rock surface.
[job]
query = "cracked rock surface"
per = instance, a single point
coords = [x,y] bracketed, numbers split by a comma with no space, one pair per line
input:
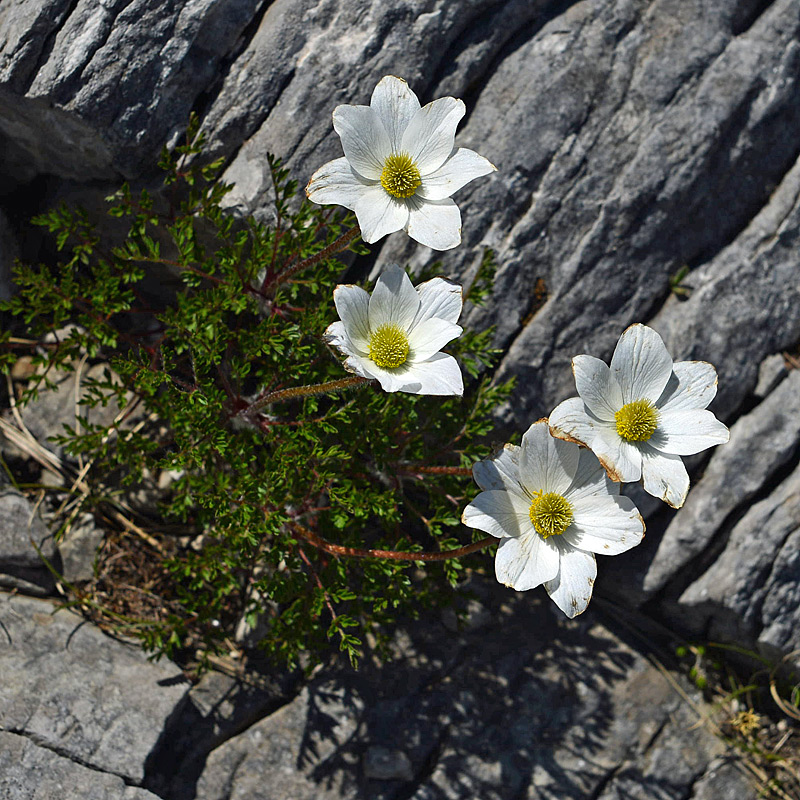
[30,772]
[632,138]
[21,533]
[72,689]
[522,704]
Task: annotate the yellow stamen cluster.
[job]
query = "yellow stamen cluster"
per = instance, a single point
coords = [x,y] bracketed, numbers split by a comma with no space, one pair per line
[637,421]
[388,346]
[550,513]
[400,176]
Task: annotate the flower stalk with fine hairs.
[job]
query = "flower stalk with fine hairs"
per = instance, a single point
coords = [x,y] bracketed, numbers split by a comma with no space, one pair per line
[294,392]
[392,555]
[336,246]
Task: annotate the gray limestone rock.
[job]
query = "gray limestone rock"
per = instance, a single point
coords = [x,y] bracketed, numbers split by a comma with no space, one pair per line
[745,303]
[76,691]
[535,706]
[59,408]
[771,372]
[218,708]
[632,152]
[752,590]
[30,772]
[274,757]
[725,780]
[387,764]
[93,88]
[763,442]
[21,528]
[78,549]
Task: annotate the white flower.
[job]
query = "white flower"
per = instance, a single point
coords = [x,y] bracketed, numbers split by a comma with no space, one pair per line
[400,166]
[553,507]
[395,335]
[643,413]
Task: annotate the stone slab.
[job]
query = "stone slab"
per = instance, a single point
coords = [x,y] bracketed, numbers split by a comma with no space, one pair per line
[77,691]
[528,706]
[30,772]
[21,527]
[762,443]
[751,592]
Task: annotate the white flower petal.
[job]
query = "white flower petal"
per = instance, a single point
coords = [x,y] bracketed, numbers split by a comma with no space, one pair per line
[664,476]
[499,513]
[590,479]
[620,459]
[570,420]
[547,464]
[390,380]
[394,300]
[641,364]
[439,375]
[379,213]
[439,298]
[571,588]
[686,432]
[526,562]
[358,365]
[395,104]
[352,305]
[427,338]
[501,471]
[336,336]
[604,524]
[435,224]
[431,133]
[461,168]
[365,141]
[335,183]
[597,387]
[693,384]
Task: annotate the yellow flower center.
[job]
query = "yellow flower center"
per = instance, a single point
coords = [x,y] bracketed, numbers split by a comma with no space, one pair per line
[551,514]
[400,176]
[388,346]
[637,421]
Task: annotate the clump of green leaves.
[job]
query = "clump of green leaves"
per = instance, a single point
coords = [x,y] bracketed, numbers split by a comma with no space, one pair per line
[200,315]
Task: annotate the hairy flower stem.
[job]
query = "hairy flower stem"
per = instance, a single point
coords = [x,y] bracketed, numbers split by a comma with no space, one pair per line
[409,469]
[305,391]
[335,246]
[394,555]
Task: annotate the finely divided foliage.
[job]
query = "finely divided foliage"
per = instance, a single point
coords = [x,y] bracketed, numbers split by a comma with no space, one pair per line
[268,478]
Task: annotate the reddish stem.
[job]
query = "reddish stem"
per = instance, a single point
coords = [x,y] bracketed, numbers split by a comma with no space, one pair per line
[395,555]
[413,470]
[319,583]
[335,246]
[304,391]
